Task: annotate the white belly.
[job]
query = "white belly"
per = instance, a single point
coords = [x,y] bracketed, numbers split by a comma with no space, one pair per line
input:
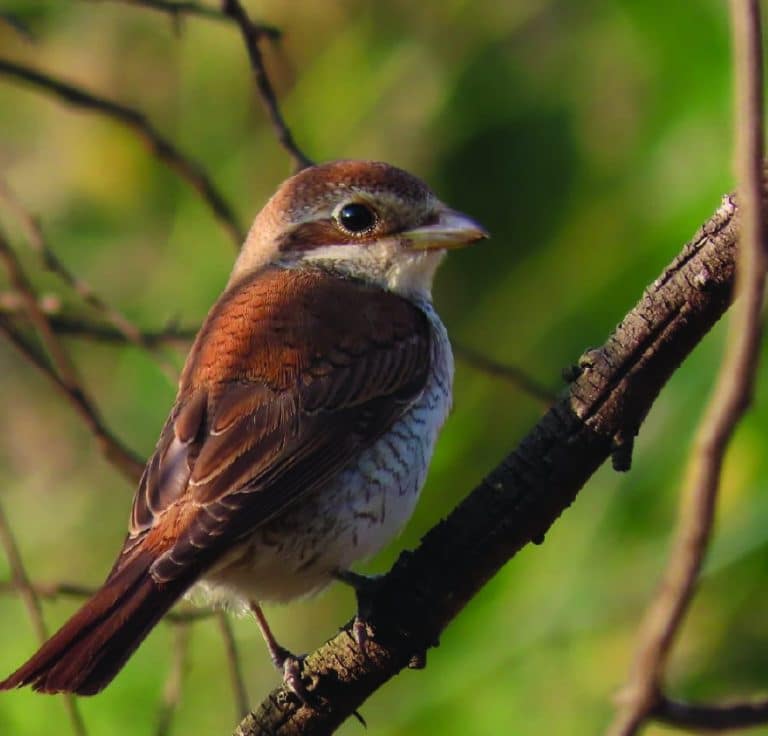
[365,506]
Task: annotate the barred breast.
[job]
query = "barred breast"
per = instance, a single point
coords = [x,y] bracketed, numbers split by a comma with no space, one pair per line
[365,506]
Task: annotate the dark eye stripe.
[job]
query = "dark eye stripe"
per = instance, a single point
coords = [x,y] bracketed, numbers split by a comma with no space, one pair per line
[310,235]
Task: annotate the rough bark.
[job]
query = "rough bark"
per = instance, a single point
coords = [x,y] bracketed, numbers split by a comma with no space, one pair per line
[596,418]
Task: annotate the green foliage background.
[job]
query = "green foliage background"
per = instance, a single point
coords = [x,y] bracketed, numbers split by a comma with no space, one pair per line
[591,138]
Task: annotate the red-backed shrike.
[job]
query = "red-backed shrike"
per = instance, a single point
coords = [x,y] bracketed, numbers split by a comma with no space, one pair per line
[306,416]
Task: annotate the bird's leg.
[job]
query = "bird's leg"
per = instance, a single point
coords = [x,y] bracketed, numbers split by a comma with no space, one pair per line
[364,586]
[286,662]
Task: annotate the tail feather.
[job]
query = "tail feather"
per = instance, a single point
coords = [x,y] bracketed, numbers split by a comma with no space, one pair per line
[91,648]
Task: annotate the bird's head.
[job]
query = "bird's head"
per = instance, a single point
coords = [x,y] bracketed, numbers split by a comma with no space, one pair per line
[363,219]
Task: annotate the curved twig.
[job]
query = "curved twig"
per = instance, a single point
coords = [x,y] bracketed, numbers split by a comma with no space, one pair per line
[730,399]
[28,595]
[35,237]
[135,121]
[251,35]
[714,717]
[511,374]
[178,9]
[60,370]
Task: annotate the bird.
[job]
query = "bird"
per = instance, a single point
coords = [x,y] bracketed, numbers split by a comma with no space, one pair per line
[306,416]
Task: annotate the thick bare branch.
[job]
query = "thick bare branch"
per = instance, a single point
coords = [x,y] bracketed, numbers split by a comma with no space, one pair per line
[160,146]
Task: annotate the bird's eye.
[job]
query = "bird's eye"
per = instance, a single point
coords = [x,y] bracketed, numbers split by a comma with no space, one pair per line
[356,218]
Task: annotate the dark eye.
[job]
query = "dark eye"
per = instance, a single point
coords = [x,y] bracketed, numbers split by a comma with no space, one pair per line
[356,218]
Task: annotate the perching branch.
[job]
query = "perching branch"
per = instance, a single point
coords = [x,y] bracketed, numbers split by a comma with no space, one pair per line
[523,496]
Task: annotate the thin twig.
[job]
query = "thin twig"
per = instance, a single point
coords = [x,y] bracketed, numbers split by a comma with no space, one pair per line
[730,399]
[173,335]
[251,36]
[59,356]
[64,377]
[85,329]
[29,597]
[173,685]
[177,10]
[137,123]
[17,24]
[34,234]
[711,717]
[509,373]
[233,664]
[111,448]
[61,372]
[51,591]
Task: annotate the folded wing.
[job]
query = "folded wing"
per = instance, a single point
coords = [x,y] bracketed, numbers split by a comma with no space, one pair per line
[292,375]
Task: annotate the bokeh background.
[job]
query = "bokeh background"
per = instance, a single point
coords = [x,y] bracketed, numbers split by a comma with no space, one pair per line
[591,138]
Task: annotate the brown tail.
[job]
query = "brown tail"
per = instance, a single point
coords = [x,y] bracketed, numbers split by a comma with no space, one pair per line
[92,647]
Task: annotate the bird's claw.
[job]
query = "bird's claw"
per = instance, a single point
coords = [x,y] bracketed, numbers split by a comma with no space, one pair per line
[360,635]
[364,586]
[291,665]
[292,679]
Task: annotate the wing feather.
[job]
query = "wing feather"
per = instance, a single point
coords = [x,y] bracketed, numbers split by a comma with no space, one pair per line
[293,373]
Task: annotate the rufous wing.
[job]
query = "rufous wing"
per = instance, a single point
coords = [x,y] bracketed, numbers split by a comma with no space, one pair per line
[294,372]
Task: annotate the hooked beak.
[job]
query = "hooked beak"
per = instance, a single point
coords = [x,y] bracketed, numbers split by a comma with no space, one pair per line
[452,230]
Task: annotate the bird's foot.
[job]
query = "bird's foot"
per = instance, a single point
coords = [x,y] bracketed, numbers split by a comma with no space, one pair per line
[286,662]
[290,665]
[364,586]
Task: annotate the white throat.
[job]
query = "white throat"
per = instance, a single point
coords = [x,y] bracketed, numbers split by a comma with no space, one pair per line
[408,273]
